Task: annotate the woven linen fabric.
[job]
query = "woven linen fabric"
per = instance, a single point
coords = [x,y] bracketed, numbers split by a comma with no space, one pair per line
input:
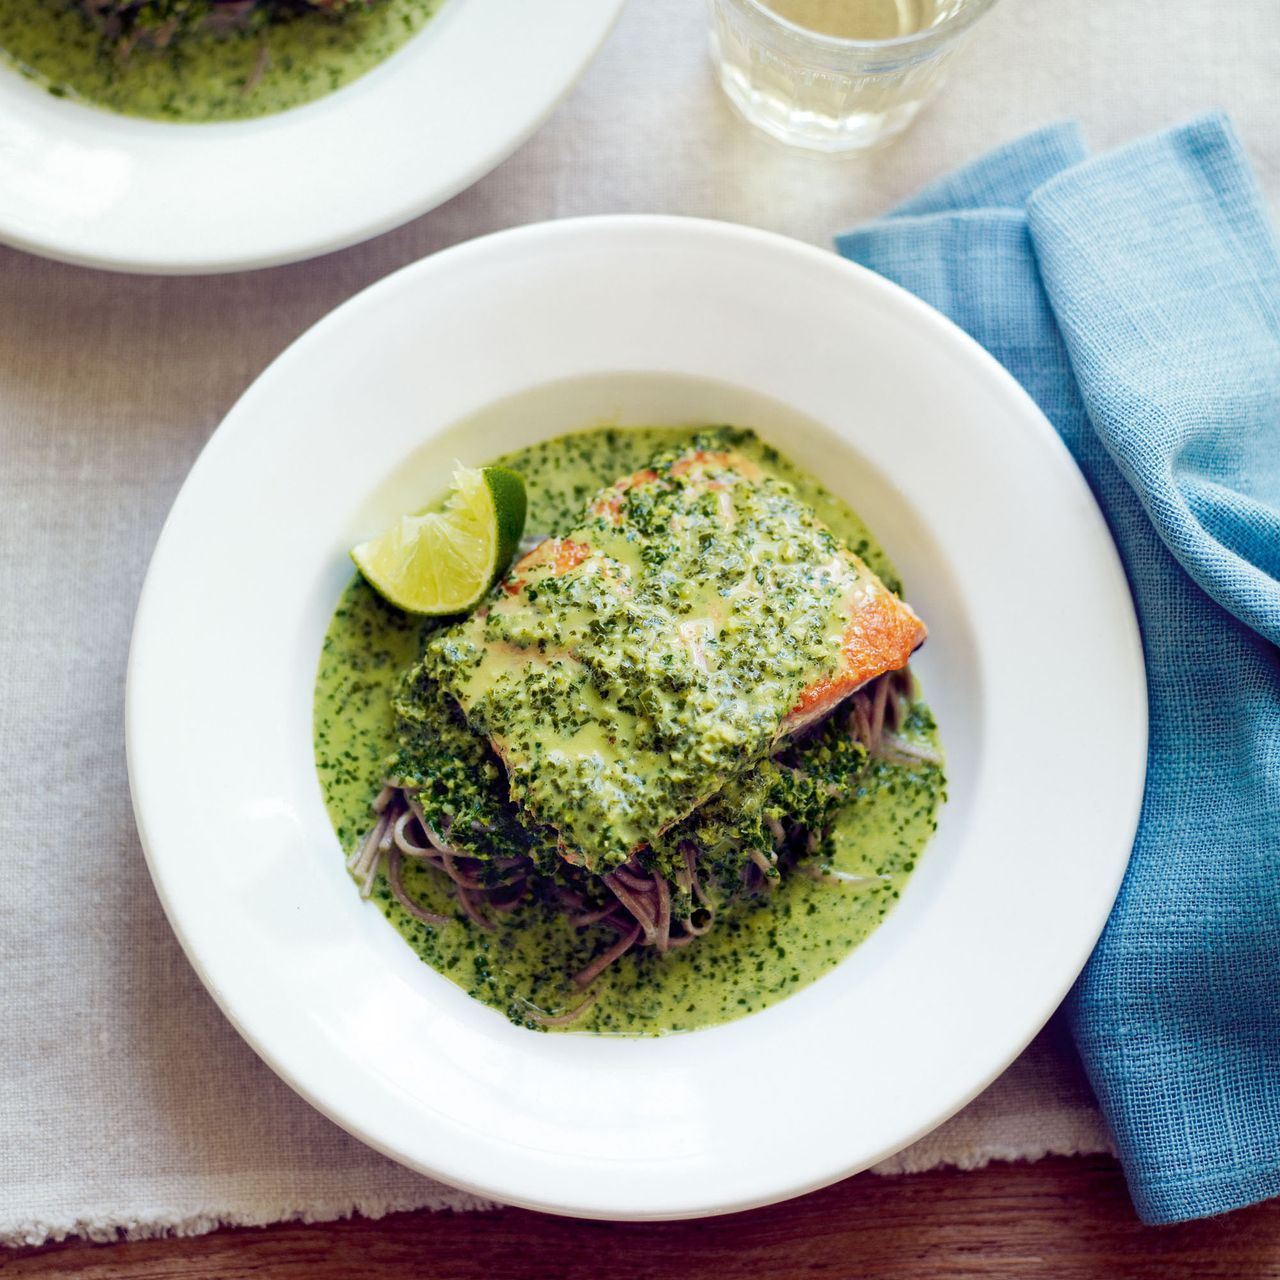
[128,1104]
[1137,297]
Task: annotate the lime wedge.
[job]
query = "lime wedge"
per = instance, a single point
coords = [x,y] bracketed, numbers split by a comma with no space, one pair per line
[445,561]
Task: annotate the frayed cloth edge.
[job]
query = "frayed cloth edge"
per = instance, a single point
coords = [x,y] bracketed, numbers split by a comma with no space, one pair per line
[980,1157]
[106,1227]
[103,1228]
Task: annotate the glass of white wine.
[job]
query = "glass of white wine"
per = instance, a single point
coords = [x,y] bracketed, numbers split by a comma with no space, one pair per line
[835,75]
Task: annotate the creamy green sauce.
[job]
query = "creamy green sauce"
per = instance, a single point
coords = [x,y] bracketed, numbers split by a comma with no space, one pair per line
[202,76]
[760,949]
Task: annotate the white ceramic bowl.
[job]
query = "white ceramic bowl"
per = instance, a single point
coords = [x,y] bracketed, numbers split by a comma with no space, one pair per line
[105,190]
[641,321]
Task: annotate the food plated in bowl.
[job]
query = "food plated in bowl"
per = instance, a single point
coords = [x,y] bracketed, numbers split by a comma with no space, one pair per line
[391,109]
[673,766]
[201,60]
[637,324]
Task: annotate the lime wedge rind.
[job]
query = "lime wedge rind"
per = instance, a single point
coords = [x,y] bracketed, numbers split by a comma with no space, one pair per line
[444,562]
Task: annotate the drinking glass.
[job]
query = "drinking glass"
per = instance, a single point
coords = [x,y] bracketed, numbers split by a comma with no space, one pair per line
[835,75]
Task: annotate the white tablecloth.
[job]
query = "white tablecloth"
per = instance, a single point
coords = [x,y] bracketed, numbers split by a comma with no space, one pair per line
[127,1103]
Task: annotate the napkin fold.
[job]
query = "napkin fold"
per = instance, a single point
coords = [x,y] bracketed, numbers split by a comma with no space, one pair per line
[1136,296]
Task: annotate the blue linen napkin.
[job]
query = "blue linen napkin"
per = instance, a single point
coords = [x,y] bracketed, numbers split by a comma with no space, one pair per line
[1137,298]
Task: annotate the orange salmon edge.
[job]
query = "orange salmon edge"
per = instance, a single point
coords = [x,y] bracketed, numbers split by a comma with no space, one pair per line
[697,458]
[813,696]
[619,487]
[570,554]
[557,555]
[609,508]
[882,636]
[738,462]
[880,639]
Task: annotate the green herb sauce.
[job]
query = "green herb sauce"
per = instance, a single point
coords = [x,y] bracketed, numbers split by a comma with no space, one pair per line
[627,669]
[202,76]
[760,949]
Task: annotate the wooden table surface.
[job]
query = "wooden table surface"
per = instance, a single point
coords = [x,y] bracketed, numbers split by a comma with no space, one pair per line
[1067,1219]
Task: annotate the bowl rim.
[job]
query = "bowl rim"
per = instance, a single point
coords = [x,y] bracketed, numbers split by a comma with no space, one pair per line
[138,227]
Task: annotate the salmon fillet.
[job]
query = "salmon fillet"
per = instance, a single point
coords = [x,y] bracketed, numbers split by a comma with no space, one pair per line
[700,613]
